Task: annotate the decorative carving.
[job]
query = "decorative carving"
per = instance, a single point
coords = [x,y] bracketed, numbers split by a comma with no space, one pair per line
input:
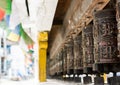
[118,24]
[88,46]
[105,36]
[70,55]
[78,52]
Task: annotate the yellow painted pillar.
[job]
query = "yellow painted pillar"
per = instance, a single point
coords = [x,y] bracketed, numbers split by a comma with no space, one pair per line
[43,45]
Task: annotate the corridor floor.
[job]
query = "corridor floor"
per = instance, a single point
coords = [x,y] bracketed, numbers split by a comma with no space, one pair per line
[32,82]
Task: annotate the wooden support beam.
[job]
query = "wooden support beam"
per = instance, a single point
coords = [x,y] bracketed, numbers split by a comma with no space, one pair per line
[79,14]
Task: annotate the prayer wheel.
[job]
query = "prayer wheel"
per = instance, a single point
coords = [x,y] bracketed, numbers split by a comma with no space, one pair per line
[105,36]
[78,55]
[70,57]
[88,48]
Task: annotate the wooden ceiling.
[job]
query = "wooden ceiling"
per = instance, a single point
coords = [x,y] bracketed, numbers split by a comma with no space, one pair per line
[61,10]
[60,13]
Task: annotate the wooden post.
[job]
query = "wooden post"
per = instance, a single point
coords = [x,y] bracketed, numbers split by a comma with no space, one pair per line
[43,45]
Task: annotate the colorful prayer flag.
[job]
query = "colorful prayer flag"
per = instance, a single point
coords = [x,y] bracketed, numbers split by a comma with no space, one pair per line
[30,46]
[2,13]
[14,34]
[26,37]
[8,7]
[7,19]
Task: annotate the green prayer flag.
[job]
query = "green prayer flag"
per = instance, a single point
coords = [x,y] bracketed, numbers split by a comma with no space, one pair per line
[8,6]
[30,51]
[26,37]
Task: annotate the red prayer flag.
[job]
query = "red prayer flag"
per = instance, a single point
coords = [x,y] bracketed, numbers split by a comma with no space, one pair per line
[30,46]
[2,13]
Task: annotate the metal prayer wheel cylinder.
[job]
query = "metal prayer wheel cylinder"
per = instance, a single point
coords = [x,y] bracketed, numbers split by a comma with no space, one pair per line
[57,64]
[60,64]
[88,46]
[105,36]
[70,57]
[64,61]
[52,67]
[118,24]
[78,54]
